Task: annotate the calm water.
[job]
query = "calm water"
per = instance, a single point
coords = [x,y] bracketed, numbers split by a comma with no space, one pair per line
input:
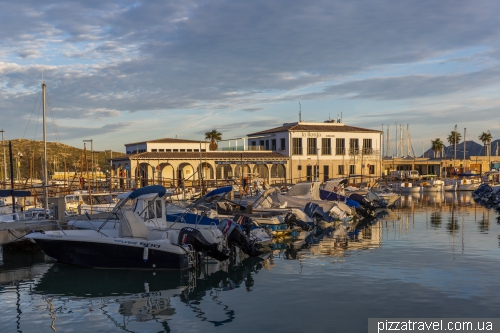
[435,256]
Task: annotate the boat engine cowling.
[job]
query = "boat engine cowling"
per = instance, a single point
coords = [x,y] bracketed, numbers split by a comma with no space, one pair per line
[200,243]
[236,236]
[292,220]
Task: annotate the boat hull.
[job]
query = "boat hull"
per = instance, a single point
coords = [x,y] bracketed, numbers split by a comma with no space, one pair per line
[110,255]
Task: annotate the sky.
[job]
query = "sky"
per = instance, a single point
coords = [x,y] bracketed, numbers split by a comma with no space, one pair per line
[125,71]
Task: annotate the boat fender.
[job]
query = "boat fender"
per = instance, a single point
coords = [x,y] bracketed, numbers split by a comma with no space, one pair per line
[145,254]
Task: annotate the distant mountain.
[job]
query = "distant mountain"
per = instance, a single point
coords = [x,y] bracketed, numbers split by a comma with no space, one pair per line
[472,149]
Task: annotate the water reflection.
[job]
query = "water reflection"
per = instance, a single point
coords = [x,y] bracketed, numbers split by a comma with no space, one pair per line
[123,298]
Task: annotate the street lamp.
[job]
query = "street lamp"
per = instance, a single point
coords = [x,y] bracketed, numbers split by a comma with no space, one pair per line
[110,167]
[91,157]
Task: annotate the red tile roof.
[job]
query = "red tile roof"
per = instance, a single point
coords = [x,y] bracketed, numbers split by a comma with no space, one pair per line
[315,128]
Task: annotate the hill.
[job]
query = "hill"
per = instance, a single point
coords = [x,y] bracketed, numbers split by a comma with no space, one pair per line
[59,158]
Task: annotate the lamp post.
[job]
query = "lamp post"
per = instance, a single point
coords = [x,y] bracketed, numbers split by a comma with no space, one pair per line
[91,157]
[4,164]
[317,164]
[110,167]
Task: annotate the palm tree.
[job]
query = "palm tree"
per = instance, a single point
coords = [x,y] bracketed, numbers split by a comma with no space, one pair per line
[437,146]
[213,136]
[454,138]
[486,137]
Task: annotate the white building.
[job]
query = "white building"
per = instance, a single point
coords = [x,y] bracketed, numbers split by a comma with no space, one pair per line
[322,150]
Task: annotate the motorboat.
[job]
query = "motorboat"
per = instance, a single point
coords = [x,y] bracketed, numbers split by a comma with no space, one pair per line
[83,201]
[131,244]
[451,185]
[405,187]
[434,185]
[469,184]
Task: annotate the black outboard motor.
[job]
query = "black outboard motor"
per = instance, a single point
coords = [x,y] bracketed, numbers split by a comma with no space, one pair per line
[368,207]
[292,221]
[236,236]
[201,244]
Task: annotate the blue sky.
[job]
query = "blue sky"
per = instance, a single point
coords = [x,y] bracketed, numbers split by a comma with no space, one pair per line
[127,71]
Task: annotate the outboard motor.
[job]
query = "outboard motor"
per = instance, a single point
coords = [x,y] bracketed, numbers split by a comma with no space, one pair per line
[201,244]
[292,221]
[236,236]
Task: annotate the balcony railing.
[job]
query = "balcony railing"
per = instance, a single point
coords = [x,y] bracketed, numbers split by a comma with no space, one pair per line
[340,151]
[312,150]
[326,150]
[364,151]
[297,151]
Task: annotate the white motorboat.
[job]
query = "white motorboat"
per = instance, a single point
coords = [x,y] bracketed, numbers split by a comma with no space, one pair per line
[434,185]
[405,187]
[469,184]
[451,185]
[132,244]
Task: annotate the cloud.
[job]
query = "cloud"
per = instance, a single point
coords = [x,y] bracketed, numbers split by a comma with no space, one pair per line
[252,109]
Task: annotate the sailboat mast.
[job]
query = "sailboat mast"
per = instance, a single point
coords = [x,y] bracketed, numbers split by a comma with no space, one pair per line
[45,177]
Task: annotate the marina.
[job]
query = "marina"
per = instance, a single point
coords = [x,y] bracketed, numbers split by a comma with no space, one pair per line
[429,256]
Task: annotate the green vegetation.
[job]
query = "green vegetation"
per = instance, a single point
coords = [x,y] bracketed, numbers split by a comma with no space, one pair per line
[59,157]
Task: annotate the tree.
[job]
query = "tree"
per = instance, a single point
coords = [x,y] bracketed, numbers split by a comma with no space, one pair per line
[437,146]
[213,136]
[454,138]
[486,137]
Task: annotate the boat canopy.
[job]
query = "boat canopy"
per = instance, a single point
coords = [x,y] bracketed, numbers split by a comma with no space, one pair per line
[152,189]
[220,190]
[9,193]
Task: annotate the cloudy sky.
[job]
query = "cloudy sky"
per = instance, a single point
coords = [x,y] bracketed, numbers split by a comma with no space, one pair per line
[125,71]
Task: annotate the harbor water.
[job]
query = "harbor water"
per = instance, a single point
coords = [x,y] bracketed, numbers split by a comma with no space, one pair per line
[434,256]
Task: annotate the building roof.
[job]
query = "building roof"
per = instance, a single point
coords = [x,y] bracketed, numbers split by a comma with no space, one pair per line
[316,127]
[234,155]
[166,140]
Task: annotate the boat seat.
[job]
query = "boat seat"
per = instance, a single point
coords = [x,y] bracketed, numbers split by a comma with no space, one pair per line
[131,225]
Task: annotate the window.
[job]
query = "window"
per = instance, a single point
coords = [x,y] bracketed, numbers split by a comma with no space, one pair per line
[196,150]
[340,170]
[352,169]
[371,169]
[203,150]
[158,208]
[353,146]
[189,150]
[168,150]
[311,146]
[282,144]
[162,150]
[154,150]
[326,146]
[151,210]
[273,144]
[340,148]
[176,150]
[299,167]
[326,173]
[183,150]
[261,145]
[297,146]
[367,146]
[267,144]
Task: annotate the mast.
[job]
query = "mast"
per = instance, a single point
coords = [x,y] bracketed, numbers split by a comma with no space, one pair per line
[45,177]
[465,131]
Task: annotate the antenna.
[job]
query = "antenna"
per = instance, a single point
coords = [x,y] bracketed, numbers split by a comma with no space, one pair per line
[300,112]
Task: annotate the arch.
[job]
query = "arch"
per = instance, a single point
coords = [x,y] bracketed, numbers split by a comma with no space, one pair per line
[145,174]
[166,174]
[185,171]
[261,171]
[241,171]
[207,170]
[278,171]
[224,171]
